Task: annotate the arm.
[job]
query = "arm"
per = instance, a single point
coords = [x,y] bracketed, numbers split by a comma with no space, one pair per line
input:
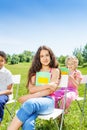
[52,85]
[8,91]
[75,79]
[34,95]
[44,90]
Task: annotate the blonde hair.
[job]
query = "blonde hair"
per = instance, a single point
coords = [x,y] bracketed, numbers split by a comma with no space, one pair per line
[72,59]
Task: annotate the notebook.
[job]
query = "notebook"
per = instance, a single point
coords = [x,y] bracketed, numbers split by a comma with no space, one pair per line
[42,78]
[64,71]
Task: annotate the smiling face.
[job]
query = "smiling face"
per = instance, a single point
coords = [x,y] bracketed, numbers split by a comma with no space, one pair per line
[71,63]
[44,57]
[2,62]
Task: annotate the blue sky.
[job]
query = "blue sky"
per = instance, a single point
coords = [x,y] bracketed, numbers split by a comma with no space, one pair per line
[28,24]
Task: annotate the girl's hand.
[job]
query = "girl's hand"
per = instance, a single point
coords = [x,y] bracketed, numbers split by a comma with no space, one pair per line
[23,99]
[73,77]
[53,86]
[70,76]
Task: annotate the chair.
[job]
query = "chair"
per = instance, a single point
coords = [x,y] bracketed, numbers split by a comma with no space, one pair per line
[63,83]
[13,98]
[84,81]
[57,112]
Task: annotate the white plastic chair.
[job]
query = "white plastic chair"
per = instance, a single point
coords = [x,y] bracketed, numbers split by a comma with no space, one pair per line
[13,98]
[57,112]
[63,83]
[84,81]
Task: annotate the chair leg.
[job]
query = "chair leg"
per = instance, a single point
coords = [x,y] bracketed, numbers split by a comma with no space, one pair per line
[61,121]
[79,105]
[84,100]
[82,114]
[12,110]
[9,112]
[57,126]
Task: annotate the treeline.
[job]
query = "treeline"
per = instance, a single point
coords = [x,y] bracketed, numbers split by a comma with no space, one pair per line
[80,53]
[26,56]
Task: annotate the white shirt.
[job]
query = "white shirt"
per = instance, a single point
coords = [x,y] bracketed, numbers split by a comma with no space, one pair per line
[5,78]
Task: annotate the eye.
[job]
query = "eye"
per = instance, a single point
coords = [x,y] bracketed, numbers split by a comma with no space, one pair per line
[47,55]
[41,56]
[1,60]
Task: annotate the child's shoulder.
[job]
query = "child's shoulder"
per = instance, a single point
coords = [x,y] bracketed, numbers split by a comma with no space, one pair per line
[78,71]
[7,70]
[79,74]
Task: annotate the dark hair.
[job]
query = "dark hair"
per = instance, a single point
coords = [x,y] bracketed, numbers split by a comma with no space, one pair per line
[3,54]
[36,64]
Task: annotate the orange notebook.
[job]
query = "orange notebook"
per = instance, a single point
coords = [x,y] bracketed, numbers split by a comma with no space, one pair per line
[64,71]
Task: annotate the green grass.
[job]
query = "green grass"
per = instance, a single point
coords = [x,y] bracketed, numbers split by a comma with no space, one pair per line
[72,121]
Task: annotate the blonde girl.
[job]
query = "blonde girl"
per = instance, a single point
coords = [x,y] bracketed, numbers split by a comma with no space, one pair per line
[74,79]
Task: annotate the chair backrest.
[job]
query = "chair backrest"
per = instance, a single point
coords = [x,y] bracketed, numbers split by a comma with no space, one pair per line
[16,80]
[64,81]
[84,79]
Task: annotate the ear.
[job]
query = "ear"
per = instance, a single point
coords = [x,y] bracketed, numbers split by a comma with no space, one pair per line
[5,61]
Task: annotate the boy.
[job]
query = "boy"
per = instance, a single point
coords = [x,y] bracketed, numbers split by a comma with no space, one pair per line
[5,84]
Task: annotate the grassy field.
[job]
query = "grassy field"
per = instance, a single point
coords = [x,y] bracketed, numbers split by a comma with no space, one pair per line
[72,121]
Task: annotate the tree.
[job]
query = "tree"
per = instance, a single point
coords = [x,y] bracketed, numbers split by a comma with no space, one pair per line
[8,58]
[61,59]
[78,53]
[22,57]
[85,53]
[28,56]
[15,59]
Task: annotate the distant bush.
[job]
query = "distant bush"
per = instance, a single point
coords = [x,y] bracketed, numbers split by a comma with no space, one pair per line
[62,65]
[84,65]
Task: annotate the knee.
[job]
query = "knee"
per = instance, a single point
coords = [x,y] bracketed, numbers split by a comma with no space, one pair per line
[30,106]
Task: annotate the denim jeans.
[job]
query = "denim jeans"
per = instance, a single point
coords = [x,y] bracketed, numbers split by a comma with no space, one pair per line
[3,100]
[31,108]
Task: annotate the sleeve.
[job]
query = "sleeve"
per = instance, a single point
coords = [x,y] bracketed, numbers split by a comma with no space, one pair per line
[9,78]
[79,75]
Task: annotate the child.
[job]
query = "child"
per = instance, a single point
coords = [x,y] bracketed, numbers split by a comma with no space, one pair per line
[74,79]
[44,61]
[5,84]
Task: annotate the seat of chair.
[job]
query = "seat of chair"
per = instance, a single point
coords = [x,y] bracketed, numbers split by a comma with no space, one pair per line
[79,98]
[56,113]
[11,101]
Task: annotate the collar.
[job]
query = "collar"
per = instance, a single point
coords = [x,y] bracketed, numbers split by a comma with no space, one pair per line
[2,69]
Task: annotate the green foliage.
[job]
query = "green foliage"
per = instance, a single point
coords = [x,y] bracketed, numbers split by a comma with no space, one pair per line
[78,53]
[44,124]
[85,53]
[61,59]
[72,121]
[27,56]
[8,58]
[14,59]
[22,58]
[84,65]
